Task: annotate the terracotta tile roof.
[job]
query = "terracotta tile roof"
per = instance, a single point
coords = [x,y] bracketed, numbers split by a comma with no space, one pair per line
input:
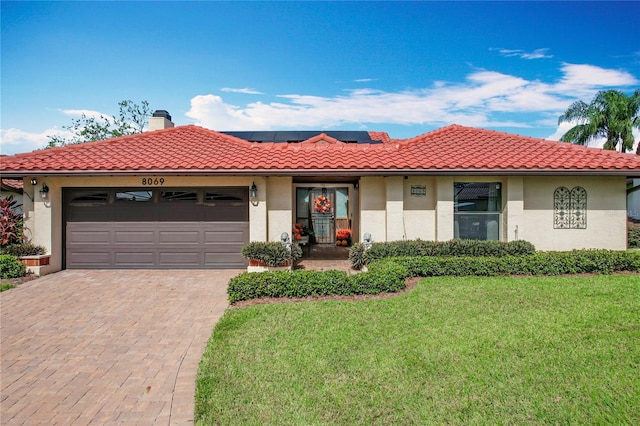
[193,149]
[13,184]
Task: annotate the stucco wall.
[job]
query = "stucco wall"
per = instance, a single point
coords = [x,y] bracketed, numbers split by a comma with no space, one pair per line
[279,206]
[420,211]
[372,207]
[606,213]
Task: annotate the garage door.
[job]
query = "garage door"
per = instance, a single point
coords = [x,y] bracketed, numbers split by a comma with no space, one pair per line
[155,228]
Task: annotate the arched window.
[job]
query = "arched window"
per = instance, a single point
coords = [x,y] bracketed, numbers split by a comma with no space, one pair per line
[570,208]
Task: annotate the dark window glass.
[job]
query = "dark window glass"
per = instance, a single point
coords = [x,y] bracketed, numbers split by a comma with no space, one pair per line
[139,196]
[477,197]
[216,196]
[171,196]
[89,198]
[477,208]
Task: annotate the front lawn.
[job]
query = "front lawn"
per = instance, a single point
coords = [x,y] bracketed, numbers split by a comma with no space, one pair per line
[451,351]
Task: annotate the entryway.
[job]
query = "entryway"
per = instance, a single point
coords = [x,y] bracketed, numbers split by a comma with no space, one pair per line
[325,212]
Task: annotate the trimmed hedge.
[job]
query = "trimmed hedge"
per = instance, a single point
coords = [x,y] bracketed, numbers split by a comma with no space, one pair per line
[272,253]
[388,275]
[11,267]
[633,236]
[381,278]
[417,248]
[543,263]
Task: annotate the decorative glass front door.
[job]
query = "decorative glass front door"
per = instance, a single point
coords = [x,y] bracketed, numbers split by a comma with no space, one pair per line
[322,203]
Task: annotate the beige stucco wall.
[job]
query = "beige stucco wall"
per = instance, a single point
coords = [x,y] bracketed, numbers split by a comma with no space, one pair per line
[373,203]
[279,206]
[420,211]
[444,208]
[606,213]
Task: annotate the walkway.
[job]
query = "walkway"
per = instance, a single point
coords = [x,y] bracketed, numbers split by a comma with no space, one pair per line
[107,347]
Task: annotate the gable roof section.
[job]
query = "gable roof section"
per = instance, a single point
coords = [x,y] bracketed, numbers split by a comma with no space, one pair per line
[195,150]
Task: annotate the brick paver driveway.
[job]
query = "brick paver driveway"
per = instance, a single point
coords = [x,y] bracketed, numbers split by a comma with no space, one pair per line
[101,347]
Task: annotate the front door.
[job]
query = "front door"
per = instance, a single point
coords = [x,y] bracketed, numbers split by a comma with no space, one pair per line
[322,203]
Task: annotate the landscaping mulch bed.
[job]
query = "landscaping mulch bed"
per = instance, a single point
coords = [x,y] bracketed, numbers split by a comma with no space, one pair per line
[18,281]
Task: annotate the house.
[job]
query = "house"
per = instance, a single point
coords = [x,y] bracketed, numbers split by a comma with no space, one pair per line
[12,188]
[189,197]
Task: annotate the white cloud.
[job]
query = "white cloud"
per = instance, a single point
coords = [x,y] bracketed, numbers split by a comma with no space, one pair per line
[588,77]
[474,102]
[596,143]
[244,90]
[86,112]
[536,54]
[13,141]
[364,80]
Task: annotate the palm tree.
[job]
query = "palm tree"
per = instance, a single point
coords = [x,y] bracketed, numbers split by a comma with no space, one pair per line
[611,115]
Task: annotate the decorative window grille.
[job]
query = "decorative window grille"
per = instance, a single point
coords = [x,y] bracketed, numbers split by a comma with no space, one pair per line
[570,208]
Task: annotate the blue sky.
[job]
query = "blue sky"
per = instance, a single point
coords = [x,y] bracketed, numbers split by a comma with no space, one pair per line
[401,67]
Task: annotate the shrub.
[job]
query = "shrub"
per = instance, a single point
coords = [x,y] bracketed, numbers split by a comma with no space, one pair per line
[271,253]
[10,222]
[633,236]
[11,267]
[543,263]
[358,256]
[385,277]
[23,249]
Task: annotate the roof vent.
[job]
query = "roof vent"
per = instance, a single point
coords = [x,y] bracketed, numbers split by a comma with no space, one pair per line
[160,119]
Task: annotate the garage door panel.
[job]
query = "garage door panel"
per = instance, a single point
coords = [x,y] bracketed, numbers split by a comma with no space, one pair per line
[180,258]
[89,259]
[133,237]
[156,244]
[184,236]
[132,259]
[90,237]
[213,237]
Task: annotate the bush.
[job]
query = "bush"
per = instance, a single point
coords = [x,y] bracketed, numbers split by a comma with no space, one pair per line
[543,263]
[356,256]
[23,249]
[271,253]
[11,267]
[633,236]
[359,257]
[10,222]
[385,277]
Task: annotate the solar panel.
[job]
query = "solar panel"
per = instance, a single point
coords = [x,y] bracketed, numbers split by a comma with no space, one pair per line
[293,136]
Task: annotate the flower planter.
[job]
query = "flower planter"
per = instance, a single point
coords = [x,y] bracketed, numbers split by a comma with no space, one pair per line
[259,266]
[35,263]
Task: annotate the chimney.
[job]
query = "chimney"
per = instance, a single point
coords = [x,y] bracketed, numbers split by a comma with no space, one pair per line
[160,120]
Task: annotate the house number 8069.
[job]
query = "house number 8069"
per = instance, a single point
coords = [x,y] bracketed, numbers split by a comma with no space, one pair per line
[152,181]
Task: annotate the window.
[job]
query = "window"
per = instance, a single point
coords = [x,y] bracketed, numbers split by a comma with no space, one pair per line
[570,208]
[90,198]
[174,196]
[477,210]
[138,196]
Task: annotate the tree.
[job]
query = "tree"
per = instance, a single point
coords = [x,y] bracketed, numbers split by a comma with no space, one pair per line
[132,118]
[611,115]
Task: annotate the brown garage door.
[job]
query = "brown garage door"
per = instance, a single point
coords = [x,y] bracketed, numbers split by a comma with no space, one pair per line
[155,228]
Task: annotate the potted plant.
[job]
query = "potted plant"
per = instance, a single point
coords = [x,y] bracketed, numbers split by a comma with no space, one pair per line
[269,256]
[343,237]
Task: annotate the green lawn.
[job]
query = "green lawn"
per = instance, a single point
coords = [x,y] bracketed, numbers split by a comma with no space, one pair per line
[452,351]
